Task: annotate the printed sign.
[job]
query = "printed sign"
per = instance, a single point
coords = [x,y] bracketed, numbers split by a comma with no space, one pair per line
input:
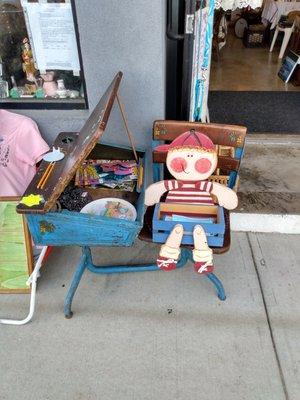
[52,35]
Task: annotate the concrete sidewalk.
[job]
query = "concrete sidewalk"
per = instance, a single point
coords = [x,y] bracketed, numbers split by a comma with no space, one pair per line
[269,191]
[158,335]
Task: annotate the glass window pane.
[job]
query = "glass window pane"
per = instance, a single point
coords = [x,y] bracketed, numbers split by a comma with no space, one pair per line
[21,82]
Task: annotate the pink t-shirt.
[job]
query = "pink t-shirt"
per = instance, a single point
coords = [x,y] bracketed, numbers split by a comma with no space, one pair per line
[21,147]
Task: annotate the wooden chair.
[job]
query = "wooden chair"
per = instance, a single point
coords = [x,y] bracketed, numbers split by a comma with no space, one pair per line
[230,141]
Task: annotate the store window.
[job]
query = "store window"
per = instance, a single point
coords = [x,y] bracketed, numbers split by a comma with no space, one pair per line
[40,60]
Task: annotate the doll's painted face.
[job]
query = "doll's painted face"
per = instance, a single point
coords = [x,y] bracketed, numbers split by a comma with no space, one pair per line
[192,164]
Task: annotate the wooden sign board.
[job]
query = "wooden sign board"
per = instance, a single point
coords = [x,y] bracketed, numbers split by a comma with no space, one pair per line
[76,147]
[16,261]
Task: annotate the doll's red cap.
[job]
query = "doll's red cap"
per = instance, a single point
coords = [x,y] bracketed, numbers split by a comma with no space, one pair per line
[189,139]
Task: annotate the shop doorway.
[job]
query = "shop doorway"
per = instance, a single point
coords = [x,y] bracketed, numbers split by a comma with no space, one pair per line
[244,87]
[244,84]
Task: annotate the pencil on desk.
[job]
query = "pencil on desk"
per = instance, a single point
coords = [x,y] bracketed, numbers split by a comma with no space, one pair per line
[45,176]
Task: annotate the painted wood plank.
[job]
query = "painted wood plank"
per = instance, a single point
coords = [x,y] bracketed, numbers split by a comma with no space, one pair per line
[226,163]
[188,208]
[278,259]
[77,229]
[212,241]
[231,135]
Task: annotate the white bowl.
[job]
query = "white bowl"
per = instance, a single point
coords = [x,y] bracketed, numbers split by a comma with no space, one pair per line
[97,207]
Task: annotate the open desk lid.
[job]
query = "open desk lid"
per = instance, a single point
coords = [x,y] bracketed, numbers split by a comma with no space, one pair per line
[76,147]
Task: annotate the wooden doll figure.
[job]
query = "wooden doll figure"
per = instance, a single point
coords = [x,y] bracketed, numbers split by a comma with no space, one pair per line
[191,159]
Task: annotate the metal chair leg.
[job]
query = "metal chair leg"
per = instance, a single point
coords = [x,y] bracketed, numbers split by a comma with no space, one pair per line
[84,261]
[218,285]
[184,258]
[87,263]
[212,277]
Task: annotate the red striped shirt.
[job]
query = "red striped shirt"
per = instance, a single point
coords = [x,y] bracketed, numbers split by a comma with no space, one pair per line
[189,192]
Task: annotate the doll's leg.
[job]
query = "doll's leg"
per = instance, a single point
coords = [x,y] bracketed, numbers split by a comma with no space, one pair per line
[170,251]
[202,254]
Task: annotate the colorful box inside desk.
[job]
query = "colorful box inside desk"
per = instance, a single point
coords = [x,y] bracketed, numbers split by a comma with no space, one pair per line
[50,226]
[211,219]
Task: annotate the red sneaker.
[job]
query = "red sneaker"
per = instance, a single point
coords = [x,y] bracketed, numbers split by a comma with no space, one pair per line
[203,267]
[165,263]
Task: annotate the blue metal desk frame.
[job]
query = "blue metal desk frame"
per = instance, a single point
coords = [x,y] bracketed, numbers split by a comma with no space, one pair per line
[86,262]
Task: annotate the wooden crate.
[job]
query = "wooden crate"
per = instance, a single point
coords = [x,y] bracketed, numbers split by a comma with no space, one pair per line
[254,36]
[214,231]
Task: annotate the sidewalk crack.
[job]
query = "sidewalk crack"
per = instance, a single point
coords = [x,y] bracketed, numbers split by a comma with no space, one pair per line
[268,317]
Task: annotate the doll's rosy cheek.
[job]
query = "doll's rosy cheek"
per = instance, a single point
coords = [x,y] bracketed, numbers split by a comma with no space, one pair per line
[178,164]
[203,165]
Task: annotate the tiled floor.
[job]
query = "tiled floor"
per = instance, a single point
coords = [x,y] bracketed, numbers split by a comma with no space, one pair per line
[158,335]
[247,69]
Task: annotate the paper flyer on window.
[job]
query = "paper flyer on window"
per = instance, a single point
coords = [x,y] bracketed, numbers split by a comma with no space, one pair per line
[51,27]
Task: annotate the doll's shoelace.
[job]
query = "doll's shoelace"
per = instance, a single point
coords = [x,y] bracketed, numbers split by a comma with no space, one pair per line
[204,267]
[166,263]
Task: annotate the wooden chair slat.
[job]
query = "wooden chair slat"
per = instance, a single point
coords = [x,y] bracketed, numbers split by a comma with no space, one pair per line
[225,163]
[227,135]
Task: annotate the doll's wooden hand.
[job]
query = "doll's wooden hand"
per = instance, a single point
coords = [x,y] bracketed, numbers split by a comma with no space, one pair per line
[227,198]
[154,192]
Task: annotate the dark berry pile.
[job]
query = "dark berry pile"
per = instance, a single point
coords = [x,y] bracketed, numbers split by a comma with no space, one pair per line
[74,198]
